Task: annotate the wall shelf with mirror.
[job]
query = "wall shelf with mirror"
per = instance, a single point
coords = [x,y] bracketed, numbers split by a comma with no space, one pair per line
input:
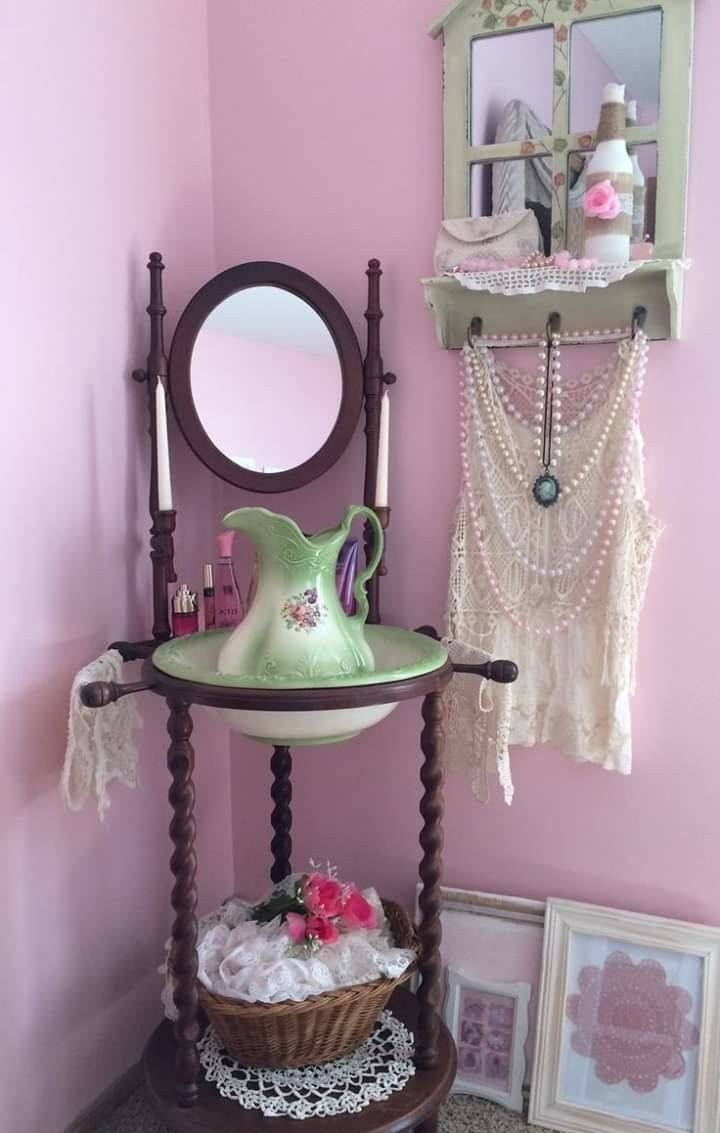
[522,92]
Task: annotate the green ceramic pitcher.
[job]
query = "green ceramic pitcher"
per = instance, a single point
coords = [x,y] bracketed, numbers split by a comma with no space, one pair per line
[296,628]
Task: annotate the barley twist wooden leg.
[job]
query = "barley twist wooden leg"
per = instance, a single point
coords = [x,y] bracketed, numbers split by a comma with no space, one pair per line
[432,807]
[181,761]
[281,817]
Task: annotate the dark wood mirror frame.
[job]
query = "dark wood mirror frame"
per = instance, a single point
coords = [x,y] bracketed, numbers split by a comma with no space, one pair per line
[214,292]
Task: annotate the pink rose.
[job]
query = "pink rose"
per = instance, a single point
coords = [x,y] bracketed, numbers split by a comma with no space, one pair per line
[602,201]
[322,895]
[296,926]
[562,259]
[357,912]
[322,929]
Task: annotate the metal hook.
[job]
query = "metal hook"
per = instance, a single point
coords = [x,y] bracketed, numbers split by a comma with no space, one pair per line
[552,327]
[638,320]
[474,330]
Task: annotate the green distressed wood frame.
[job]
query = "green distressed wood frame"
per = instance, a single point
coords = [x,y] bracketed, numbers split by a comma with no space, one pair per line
[467,20]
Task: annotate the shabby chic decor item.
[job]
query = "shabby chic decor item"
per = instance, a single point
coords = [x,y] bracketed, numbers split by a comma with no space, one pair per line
[560,587]
[301,977]
[512,236]
[521,86]
[531,280]
[100,747]
[296,628]
[629,1024]
[478,724]
[489,1022]
[377,1069]
[489,936]
[411,665]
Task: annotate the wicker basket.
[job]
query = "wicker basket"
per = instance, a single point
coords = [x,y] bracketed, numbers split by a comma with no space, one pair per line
[318,1029]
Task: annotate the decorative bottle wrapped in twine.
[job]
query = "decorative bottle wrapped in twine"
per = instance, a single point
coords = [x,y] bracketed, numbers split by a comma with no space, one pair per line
[609,239]
[639,185]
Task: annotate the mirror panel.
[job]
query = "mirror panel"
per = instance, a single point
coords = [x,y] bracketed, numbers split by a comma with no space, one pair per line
[266,379]
[512,87]
[505,186]
[621,49]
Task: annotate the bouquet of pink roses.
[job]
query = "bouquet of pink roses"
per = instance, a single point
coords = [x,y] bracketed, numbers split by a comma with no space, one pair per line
[316,908]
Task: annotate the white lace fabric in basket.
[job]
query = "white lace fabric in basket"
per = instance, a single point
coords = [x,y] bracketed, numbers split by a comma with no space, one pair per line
[531,280]
[255,963]
[377,1069]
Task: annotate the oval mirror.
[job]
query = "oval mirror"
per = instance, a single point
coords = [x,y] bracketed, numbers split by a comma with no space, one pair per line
[266,377]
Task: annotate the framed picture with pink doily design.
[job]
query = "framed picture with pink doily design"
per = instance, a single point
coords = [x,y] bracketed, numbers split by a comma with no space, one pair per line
[628,1037]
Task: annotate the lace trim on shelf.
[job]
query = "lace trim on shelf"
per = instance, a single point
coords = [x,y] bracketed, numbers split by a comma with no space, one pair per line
[532,280]
[377,1069]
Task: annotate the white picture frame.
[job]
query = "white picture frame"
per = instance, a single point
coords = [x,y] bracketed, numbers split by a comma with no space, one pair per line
[489,1023]
[629,1024]
[497,938]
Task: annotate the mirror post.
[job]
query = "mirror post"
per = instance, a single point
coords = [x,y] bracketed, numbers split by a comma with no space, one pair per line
[162,551]
[375,381]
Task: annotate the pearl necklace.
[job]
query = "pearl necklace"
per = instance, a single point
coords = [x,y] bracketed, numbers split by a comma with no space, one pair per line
[622,466]
[606,522]
[637,358]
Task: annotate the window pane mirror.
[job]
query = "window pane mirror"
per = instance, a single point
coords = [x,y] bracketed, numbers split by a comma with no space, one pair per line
[512,87]
[618,49]
[266,377]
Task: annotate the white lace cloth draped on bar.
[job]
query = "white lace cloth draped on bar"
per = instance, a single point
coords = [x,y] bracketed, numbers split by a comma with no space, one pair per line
[559,588]
[101,744]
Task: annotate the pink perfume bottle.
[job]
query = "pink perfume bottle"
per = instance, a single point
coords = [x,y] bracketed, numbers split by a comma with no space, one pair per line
[229,609]
[184,611]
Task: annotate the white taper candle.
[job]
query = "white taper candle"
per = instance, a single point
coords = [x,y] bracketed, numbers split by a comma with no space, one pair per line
[381,482]
[162,448]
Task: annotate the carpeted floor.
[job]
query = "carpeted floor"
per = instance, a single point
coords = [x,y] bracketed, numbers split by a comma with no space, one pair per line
[459,1115]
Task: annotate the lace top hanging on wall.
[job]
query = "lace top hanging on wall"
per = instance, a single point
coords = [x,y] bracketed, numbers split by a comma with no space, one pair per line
[551,552]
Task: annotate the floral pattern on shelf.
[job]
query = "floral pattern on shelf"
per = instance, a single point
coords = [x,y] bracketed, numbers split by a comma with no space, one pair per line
[631,1022]
[303,611]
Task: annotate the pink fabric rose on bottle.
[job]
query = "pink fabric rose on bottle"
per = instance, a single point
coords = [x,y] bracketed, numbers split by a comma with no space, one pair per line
[601,201]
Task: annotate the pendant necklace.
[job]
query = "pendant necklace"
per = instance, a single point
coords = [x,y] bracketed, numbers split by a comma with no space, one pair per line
[546,489]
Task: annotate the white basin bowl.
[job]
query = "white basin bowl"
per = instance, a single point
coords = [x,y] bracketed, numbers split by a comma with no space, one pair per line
[399,654]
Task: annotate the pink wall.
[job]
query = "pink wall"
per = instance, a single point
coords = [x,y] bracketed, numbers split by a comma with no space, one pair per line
[360,166]
[103,114]
[264,401]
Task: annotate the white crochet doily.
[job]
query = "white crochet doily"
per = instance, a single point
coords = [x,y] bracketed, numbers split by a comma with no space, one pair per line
[377,1069]
[530,281]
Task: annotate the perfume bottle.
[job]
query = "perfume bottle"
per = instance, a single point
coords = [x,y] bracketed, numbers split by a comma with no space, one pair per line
[229,609]
[184,611]
[208,596]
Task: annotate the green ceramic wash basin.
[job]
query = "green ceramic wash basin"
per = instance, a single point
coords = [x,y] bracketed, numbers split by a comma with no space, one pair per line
[399,654]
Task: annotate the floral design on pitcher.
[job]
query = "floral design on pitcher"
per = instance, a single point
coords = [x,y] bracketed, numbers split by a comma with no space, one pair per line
[303,611]
[632,1022]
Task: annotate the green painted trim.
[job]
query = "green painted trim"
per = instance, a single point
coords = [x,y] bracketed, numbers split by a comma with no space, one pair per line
[175,658]
[656,285]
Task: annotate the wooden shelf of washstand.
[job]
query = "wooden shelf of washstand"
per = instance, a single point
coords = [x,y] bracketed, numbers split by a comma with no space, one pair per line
[657,285]
[171,1062]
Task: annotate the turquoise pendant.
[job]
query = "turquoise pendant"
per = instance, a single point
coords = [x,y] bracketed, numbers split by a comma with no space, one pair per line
[546,490]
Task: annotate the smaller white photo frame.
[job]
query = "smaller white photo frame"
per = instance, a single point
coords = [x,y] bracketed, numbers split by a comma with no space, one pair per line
[489,1023]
